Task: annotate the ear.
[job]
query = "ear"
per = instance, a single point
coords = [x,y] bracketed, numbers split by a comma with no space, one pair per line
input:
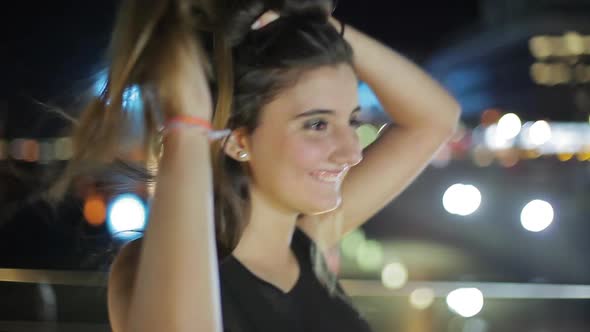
[236,146]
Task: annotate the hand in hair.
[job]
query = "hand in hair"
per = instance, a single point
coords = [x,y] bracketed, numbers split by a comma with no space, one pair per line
[182,87]
[266,18]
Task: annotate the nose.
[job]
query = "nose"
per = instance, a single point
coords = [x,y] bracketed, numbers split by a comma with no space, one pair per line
[348,149]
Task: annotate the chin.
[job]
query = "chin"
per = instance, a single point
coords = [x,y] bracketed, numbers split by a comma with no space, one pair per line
[323,206]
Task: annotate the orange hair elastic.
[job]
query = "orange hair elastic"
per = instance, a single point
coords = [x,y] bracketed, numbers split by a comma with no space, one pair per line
[182,121]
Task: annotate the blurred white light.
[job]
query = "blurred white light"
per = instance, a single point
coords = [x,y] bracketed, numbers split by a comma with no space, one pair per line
[466,302]
[394,275]
[536,216]
[539,132]
[494,140]
[461,199]
[422,298]
[509,126]
[126,213]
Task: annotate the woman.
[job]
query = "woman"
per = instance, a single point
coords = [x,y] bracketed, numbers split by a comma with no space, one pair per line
[289,178]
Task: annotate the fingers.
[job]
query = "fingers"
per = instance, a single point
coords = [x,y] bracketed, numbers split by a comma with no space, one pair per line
[264,19]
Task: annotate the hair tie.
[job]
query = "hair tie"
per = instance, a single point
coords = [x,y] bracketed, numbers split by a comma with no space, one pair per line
[187,121]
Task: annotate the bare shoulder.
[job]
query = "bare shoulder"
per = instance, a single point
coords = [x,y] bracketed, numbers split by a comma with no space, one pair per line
[121,281]
[126,261]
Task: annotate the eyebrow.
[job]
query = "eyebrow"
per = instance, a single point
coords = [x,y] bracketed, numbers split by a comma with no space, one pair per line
[320,111]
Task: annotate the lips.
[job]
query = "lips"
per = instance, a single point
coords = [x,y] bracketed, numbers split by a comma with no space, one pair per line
[329,176]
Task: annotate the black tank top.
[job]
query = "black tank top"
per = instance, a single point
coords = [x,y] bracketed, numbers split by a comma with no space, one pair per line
[250,304]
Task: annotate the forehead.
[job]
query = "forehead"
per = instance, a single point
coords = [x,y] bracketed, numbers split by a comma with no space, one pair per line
[329,87]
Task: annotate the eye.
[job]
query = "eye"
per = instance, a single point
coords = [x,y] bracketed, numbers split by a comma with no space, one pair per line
[317,125]
[355,123]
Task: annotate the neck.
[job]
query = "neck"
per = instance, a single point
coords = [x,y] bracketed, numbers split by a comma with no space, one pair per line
[267,236]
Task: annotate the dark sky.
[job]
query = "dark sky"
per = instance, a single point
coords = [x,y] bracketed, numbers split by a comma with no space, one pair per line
[58,45]
[52,51]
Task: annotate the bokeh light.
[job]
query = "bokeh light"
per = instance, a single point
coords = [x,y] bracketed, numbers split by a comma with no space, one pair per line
[541,73]
[495,141]
[537,215]
[100,84]
[509,126]
[63,148]
[466,302]
[394,275]
[367,134]
[351,242]
[461,199]
[540,47]
[565,156]
[583,156]
[126,215]
[531,154]
[508,158]
[490,116]
[369,255]
[95,210]
[30,150]
[367,98]
[539,132]
[422,298]
[46,153]
[574,43]
[482,156]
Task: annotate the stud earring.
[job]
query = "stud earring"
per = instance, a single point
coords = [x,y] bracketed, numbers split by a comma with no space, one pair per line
[242,154]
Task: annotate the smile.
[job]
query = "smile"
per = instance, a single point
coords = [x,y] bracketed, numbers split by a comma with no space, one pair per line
[329,176]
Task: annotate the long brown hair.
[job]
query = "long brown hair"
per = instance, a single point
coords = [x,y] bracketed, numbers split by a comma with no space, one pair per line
[149,37]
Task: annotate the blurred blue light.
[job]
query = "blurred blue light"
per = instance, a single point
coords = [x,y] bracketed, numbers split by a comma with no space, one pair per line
[475,103]
[101,84]
[461,80]
[367,98]
[131,96]
[132,105]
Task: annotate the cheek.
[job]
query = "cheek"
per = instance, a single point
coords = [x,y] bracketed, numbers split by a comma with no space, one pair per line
[306,154]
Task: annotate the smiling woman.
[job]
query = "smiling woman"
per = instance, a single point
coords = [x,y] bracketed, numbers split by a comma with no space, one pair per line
[304,155]
[279,188]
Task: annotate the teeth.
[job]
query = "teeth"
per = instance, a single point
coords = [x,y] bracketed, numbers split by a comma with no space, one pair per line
[325,176]
[328,179]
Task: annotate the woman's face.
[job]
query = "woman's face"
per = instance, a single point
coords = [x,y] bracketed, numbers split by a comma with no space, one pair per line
[306,142]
